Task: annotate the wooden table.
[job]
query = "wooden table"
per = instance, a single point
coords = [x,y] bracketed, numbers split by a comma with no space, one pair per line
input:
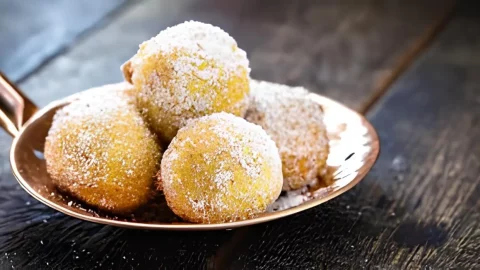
[412,66]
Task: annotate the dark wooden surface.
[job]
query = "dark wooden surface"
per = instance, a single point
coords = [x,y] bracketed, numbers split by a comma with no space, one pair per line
[343,49]
[418,208]
[33,31]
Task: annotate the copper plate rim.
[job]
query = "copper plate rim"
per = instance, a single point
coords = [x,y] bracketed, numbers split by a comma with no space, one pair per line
[370,160]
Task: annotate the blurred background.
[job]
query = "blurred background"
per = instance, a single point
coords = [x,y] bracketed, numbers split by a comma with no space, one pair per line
[64,46]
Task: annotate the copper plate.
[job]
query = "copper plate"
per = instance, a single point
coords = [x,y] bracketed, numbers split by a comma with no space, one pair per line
[354,149]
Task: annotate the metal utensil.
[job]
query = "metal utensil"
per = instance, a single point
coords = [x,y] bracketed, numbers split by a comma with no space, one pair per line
[354,148]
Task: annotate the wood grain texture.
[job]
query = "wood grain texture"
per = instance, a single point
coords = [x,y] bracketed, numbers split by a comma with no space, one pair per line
[32,31]
[342,49]
[420,207]
[412,211]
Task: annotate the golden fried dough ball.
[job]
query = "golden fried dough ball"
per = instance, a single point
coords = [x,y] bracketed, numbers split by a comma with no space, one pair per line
[296,125]
[220,168]
[188,70]
[100,151]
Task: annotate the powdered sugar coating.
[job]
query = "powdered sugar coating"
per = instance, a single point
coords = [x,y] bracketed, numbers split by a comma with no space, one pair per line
[296,125]
[220,168]
[186,71]
[99,150]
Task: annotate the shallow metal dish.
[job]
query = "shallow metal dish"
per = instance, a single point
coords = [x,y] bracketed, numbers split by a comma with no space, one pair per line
[353,141]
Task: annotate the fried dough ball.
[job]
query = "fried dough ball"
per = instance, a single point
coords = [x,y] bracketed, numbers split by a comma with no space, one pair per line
[296,125]
[100,151]
[187,71]
[220,168]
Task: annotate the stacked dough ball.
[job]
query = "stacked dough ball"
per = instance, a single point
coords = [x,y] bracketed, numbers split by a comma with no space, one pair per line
[233,143]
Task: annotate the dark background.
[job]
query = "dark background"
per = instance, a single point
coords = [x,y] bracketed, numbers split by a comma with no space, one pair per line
[412,67]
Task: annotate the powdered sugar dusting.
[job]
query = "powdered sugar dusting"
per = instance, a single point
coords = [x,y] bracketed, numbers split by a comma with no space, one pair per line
[222,177]
[230,126]
[233,147]
[187,71]
[296,125]
[206,40]
[351,151]
[78,140]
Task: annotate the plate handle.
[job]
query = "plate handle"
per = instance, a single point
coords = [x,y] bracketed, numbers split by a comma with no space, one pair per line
[15,107]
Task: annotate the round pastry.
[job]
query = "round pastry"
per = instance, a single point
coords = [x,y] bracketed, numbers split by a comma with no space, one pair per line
[296,125]
[187,71]
[220,168]
[100,151]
